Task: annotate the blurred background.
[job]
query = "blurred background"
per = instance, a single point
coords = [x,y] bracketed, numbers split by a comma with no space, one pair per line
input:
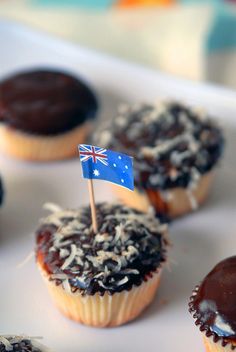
[187,38]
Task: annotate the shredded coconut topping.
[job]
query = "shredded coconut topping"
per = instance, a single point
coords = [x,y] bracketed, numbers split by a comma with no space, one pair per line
[128,246]
[172,144]
[20,343]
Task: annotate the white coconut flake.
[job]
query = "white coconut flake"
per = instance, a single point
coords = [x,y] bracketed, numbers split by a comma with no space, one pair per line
[167,196]
[131,251]
[26,260]
[192,199]
[58,244]
[99,275]
[64,253]
[8,346]
[66,285]
[71,257]
[130,271]
[122,281]
[58,276]
[52,249]
[79,261]
[119,229]
[52,207]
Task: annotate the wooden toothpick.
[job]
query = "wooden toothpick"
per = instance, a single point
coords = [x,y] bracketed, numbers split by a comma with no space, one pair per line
[92,206]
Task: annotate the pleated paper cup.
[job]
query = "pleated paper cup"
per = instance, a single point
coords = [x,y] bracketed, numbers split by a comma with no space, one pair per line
[104,310]
[212,346]
[179,201]
[32,147]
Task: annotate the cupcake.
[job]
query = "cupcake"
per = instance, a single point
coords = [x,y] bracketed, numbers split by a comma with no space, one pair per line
[16,343]
[175,150]
[44,114]
[103,279]
[213,307]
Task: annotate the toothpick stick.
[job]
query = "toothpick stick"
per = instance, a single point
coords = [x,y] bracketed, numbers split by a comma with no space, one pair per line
[92,206]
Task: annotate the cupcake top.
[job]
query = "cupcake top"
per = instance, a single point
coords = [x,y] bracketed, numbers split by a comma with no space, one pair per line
[213,303]
[172,144]
[127,249]
[45,102]
[17,343]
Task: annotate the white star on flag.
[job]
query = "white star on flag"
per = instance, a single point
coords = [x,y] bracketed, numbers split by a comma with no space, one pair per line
[96,172]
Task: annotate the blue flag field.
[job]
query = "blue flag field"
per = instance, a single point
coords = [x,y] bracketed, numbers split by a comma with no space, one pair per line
[103,164]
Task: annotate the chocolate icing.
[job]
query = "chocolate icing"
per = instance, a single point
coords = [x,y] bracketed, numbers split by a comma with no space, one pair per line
[128,248]
[19,344]
[213,303]
[172,144]
[45,102]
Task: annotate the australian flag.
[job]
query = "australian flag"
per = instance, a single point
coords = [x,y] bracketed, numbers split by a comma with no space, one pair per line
[102,164]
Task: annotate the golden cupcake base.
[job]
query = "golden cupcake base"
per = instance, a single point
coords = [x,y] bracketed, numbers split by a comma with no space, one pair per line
[31,147]
[107,310]
[178,202]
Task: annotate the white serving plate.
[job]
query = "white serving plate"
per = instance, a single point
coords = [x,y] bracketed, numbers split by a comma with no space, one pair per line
[199,240]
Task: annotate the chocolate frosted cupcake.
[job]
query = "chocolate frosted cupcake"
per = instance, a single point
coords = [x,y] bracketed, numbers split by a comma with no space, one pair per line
[44,114]
[213,307]
[175,150]
[17,343]
[103,279]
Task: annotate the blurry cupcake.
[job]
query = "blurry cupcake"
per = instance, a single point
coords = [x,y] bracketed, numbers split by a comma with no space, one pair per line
[104,279]
[213,307]
[175,150]
[44,114]
[16,343]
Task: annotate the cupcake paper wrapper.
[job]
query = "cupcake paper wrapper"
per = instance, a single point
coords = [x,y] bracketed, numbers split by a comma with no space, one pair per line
[177,201]
[107,310]
[42,148]
[212,346]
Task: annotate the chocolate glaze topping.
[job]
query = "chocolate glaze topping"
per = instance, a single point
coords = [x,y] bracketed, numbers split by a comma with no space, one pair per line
[20,344]
[172,144]
[213,303]
[45,102]
[128,248]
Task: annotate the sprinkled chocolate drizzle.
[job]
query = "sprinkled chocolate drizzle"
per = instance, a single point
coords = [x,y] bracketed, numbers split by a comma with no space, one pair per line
[128,248]
[16,343]
[212,303]
[45,102]
[172,144]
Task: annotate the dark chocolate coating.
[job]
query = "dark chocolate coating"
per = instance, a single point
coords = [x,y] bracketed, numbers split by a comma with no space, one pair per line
[172,144]
[45,102]
[127,250]
[213,303]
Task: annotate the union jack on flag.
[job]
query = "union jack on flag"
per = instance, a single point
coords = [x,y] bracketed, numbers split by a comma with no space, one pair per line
[103,164]
[95,153]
